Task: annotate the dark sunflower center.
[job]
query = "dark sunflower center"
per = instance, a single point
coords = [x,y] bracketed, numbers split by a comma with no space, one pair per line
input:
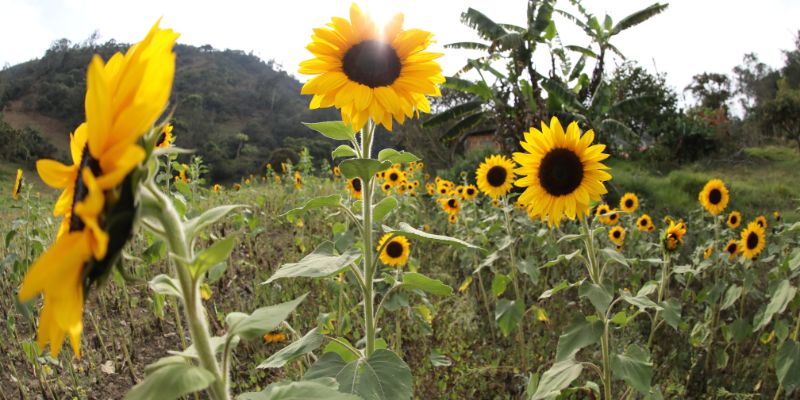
[561,172]
[81,191]
[372,63]
[19,186]
[393,176]
[470,191]
[731,248]
[752,240]
[629,203]
[760,223]
[616,234]
[357,184]
[394,249]
[643,222]
[496,176]
[734,219]
[714,196]
[161,139]
[451,203]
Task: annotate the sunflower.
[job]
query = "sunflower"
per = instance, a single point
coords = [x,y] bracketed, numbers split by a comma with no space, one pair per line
[734,219]
[395,250]
[354,186]
[601,212]
[617,235]
[419,165]
[443,191]
[394,176]
[629,203]
[562,171]
[217,188]
[777,216]
[495,176]
[274,337]
[619,246]
[714,196]
[368,72]
[643,223]
[283,167]
[470,192]
[124,98]
[496,203]
[166,138]
[237,187]
[612,217]
[752,242]
[298,180]
[450,205]
[708,252]
[336,171]
[17,185]
[673,235]
[732,248]
[452,218]
[386,187]
[761,221]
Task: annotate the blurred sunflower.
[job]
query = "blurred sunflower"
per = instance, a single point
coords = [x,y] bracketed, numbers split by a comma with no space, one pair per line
[761,221]
[732,248]
[470,192]
[561,171]
[734,219]
[496,203]
[395,250]
[601,212]
[714,196]
[450,205]
[629,203]
[354,186]
[336,171]
[217,188]
[166,138]
[298,180]
[777,216]
[368,72]
[452,218]
[643,223]
[124,98]
[17,185]
[237,187]
[247,181]
[673,235]
[394,176]
[274,337]
[612,217]
[708,252]
[495,176]
[752,241]
[617,235]
[386,187]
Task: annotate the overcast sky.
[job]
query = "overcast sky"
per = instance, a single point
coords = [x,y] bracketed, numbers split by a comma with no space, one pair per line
[690,37]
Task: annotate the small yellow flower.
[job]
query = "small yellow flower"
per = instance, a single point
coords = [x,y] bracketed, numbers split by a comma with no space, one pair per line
[274,337]
[17,185]
[673,235]
[336,171]
[395,250]
[708,252]
[644,223]
[629,203]
[617,235]
[761,221]
[166,138]
[298,180]
[217,188]
[734,219]
[714,196]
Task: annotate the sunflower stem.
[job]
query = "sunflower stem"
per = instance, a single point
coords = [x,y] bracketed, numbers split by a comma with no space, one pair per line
[369,267]
[597,278]
[662,288]
[514,281]
[195,314]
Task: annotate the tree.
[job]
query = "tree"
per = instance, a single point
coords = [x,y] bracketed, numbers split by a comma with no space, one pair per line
[756,82]
[713,90]
[781,115]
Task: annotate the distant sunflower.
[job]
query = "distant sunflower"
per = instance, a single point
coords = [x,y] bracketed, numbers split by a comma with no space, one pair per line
[298,180]
[354,186]
[561,171]
[496,203]
[673,235]
[643,223]
[617,235]
[450,205]
[17,185]
[708,252]
[495,176]
[777,216]
[470,192]
[274,337]
[247,181]
[166,138]
[629,203]
[217,188]
[452,218]
[368,72]
[612,217]
[386,187]
[394,176]
[734,219]
[761,221]
[752,241]
[443,191]
[714,196]
[732,248]
[619,246]
[395,252]
[237,187]
[601,212]
[336,171]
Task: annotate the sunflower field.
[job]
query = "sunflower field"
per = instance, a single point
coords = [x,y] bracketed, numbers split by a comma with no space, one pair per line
[375,276]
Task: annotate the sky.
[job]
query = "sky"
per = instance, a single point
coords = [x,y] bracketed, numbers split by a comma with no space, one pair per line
[690,37]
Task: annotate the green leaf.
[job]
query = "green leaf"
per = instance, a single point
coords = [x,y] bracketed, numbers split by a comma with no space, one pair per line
[346,354]
[383,208]
[499,284]
[171,381]
[783,294]
[343,151]
[308,343]
[195,225]
[395,156]
[598,296]
[634,367]
[582,50]
[211,256]
[787,365]
[317,202]
[508,313]
[731,295]
[381,376]
[183,188]
[362,168]
[638,17]
[557,378]
[325,388]
[579,334]
[436,287]
[321,262]
[217,343]
[648,288]
[452,113]
[336,130]
[261,321]
[562,258]
[639,301]
[439,359]
[672,312]
[164,285]
[613,255]
[413,233]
